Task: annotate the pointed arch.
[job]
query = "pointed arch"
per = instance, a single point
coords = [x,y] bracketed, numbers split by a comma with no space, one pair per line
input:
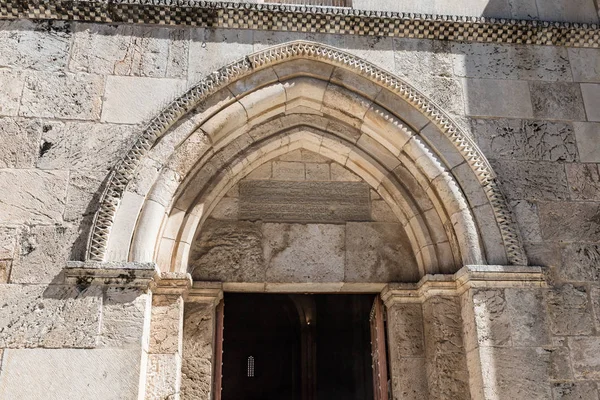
[306,95]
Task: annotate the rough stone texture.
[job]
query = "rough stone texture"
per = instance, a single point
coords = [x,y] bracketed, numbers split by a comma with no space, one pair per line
[526,214]
[585,64]
[49,316]
[304,201]
[492,318]
[581,262]
[588,135]
[130,50]
[591,97]
[480,103]
[288,171]
[304,253]
[557,101]
[32,196]
[569,310]
[19,142]
[70,374]
[525,139]
[8,242]
[584,181]
[575,391]
[532,180]
[196,369]
[493,61]
[379,252]
[527,311]
[570,221]
[422,57]
[68,96]
[584,357]
[228,251]
[11,87]
[162,376]
[165,325]
[123,315]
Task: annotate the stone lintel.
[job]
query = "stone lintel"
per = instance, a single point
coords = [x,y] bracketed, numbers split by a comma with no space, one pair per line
[205,292]
[124,274]
[470,276]
[171,284]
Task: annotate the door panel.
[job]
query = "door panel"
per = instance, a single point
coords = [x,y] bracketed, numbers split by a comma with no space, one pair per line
[378,353]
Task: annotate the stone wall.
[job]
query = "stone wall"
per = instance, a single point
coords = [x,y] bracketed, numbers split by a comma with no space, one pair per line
[73,96]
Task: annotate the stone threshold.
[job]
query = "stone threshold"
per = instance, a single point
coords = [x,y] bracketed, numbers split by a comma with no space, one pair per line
[308,19]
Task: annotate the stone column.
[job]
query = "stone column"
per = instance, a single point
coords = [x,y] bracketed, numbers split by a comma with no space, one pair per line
[199,340]
[163,371]
[406,342]
[506,335]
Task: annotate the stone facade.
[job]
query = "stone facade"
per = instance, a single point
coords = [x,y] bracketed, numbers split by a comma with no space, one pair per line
[458,178]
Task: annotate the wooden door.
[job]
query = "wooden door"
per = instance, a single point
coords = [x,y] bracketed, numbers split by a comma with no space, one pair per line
[218,373]
[378,353]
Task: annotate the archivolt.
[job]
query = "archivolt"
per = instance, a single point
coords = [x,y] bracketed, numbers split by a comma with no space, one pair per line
[245,77]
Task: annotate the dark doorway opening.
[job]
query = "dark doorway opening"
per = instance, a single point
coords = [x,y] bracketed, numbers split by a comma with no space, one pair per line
[297,347]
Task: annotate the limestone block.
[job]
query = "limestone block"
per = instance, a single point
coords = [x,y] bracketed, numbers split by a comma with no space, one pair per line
[69,96]
[525,213]
[581,262]
[123,317]
[516,373]
[211,49]
[588,135]
[345,105]
[261,173]
[493,243]
[11,87]
[508,61]
[84,146]
[166,324]
[401,109]
[387,157]
[378,50]
[528,319]
[560,364]
[341,174]
[488,98]
[573,391]
[584,357]
[379,252]
[568,11]
[304,201]
[288,171]
[584,181]
[409,379]
[42,46]
[228,251]
[443,326]
[585,64]
[422,57]
[543,254]
[83,194]
[382,212]
[49,316]
[317,172]
[5,266]
[32,196]
[8,242]
[569,310]
[557,100]
[405,330]
[532,180]
[591,99]
[570,221]
[525,139]
[131,100]
[130,50]
[196,368]
[595,295]
[447,92]
[304,253]
[19,141]
[162,377]
[43,253]
[227,208]
[70,374]
[492,318]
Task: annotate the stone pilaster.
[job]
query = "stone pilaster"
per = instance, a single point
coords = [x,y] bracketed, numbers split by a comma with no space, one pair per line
[199,323]
[163,371]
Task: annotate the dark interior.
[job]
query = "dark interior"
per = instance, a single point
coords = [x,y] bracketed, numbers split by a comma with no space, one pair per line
[303,347]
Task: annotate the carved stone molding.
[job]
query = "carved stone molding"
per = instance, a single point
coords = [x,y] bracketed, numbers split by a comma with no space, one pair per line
[311,19]
[171,284]
[129,274]
[124,170]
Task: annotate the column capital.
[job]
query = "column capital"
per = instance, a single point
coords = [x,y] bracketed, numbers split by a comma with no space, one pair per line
[171,284]
[205,292]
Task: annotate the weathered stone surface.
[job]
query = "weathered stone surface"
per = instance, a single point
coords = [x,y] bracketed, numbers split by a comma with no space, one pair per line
[11,87]
[585,64]
[228,208]
[410,379]
[569,310]
[591,99]
[19,142]
[5,266]
[381,212]
[49,316]
[584,357]
[492,318]
[317,172]
[557,100]
[262,172]
[69,96]
[526,216]
[565,10]
[499,61]
[584,181]
[525,139]
[8,242]
[165,324]
[581,262]
[480,103]
[83,194]
[32,196]
[379,252]
[405,329]
[341,174]
[70,374]
[288,171]
[84,146]
[304,201]
[42,46]
[196,368]
[43,253]
[573,391]
[131,100]
[422,57]
[528,319]
[560,364]
[162,376]
[595,295]
[377,49]
[588,135]
[447,91]
[304,253]
[570,221]
[532,180]
[228,251]
[123,315]
[130,50]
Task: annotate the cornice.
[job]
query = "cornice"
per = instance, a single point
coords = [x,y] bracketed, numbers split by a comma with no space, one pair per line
[310,19]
